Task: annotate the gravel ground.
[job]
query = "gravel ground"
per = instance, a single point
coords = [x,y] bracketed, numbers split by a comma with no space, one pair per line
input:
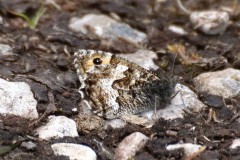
[42,115]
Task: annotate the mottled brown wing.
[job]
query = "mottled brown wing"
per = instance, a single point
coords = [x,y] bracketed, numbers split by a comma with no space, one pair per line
[142,96]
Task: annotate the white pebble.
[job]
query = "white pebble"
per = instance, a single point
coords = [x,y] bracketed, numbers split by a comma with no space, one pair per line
[74,110]
[29,145]
[114,123]
[16,98]
[235,143]
[189,149]
[74,151]
[178,30]
[58,127]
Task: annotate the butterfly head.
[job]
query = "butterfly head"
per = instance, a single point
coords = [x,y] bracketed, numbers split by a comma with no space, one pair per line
[91,62]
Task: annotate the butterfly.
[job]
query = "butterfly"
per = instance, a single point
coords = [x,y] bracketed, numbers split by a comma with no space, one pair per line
[113,86]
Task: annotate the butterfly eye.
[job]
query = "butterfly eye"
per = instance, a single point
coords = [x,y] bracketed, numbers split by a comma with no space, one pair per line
[97,61]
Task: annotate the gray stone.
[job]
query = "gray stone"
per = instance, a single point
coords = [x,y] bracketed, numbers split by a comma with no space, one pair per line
[224,83]
[5,49]
[210,22]
[6,53]
[106,28]
[29,145]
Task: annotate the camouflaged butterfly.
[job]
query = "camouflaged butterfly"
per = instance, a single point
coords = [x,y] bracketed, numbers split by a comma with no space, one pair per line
[112,86]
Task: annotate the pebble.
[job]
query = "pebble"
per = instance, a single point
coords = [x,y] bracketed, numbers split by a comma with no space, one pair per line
[40,92]
[185,99]
[106,28]
[225,83]
[114,123]
[58,127]
[29,145]
[5,49]
[213,100]
[143,58]
[6,53]
[210,22]
[177,30]
[74,110]
[16,98]
[235,143]
[74,151]
[189,148]
[128,147]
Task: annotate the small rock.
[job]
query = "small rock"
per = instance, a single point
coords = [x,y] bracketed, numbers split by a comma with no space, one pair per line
[189,149]
[212,100]
[177,30]
[40,92]
[114,123]
[58,127]
[5,49]
[74,110]
[185,99]
[210,22]
[74,151]
[29,145]
[17,98]
[6,53]
[105,27]
[128,147]
[224,83]
[143,58]
[235,143]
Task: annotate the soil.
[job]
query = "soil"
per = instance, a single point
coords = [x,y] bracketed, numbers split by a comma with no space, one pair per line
[44,55]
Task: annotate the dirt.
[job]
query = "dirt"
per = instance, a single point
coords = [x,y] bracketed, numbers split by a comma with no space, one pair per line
[44,60]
